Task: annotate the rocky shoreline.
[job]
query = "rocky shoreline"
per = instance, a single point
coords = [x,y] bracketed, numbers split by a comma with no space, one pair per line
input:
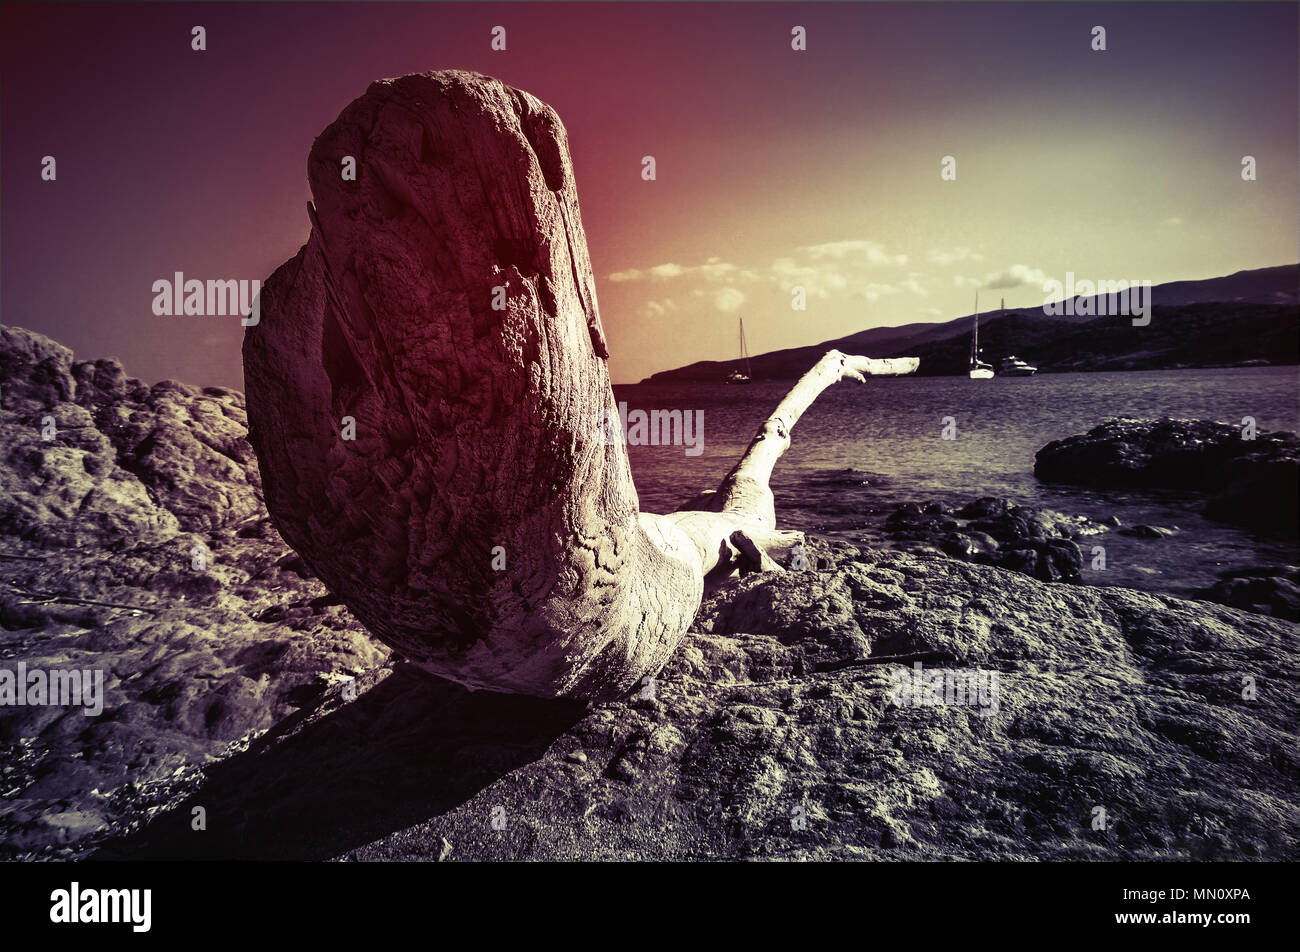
[135,542]
[771,734]
[1250,478]
[1054,547]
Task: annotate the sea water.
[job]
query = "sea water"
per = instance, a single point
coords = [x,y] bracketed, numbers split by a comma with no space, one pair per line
[862,449]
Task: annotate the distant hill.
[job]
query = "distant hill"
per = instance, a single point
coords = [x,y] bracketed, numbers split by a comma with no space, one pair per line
[1260,286]
[1246,316]
[1215,334]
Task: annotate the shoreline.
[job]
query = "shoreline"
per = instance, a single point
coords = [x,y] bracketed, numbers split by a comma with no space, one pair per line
[783,684]
[240,683]
[1042,372]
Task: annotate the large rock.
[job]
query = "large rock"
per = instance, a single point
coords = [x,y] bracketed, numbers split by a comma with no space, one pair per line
[1272,590]
[995,531]
[94,457]
[133,542]
[1251,481]
[195,664]
[774,733]
[479,522]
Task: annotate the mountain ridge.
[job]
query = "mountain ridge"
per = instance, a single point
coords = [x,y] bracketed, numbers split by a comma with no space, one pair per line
[1274,291]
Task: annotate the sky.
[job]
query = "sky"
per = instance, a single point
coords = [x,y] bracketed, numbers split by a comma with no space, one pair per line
[775,168]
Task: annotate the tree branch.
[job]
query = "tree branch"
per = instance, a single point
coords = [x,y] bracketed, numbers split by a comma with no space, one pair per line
[745,491]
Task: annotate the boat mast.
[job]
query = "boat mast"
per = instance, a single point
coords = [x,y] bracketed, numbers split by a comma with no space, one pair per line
[975,340]
[744,351]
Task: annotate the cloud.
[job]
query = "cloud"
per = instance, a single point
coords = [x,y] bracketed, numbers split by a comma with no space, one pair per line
[829,258]
[874,292]
[714,269]
[1016,276]
[728,300]
[821,269]
[1172,221]
[819,281]
[913,285]
[717,269]
[869,251]
[658,308]
[953,255]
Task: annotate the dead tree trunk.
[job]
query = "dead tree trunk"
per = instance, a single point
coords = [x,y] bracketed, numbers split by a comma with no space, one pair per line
[743,503]
[426,391]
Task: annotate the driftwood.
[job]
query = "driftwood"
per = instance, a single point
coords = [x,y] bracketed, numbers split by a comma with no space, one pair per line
[744,507]
[444,304]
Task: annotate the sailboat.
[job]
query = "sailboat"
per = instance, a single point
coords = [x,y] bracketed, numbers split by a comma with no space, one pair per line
[978,369]
[737,376]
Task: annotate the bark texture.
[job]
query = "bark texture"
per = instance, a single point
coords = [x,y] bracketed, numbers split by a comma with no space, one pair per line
[479,522]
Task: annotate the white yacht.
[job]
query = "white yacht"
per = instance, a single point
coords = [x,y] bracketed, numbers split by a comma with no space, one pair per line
[1013,366]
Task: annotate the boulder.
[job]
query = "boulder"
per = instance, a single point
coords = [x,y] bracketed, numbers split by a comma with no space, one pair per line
[1252,482]
[1270,590]
[99,529]
[1050,560]
[996,531]
[123,462]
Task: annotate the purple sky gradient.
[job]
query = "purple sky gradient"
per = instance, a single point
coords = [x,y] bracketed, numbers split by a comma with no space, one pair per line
[171,160]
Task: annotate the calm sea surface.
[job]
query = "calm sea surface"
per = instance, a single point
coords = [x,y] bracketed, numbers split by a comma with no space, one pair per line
[861,449]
